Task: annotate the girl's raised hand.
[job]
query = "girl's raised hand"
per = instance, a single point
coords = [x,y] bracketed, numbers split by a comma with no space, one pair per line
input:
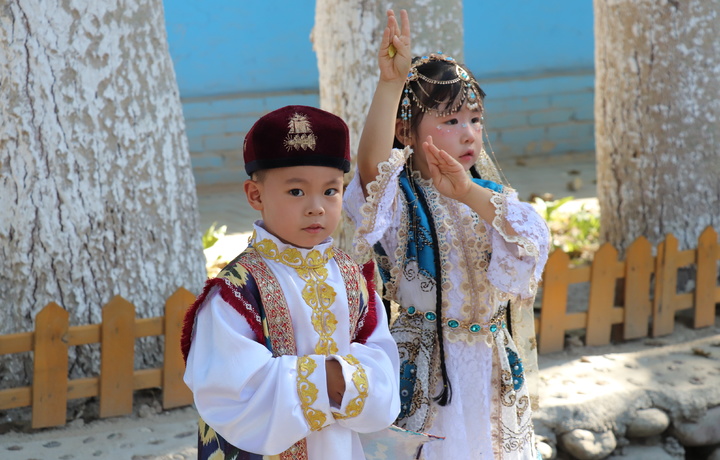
[448,175]
[394,55]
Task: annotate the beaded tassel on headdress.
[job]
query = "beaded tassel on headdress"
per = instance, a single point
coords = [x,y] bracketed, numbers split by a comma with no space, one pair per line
[405,112]
[415,92]
[470,95]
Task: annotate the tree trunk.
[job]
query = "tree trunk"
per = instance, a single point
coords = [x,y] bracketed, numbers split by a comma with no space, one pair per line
[657,118]
[437,25]
[346,37]
[98,197]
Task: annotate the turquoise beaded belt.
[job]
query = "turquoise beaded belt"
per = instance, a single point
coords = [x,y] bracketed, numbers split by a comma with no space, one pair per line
[497,322]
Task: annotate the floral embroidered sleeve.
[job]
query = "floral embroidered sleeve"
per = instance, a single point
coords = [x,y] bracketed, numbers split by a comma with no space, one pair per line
[518,260]
[375,214]
[312,391]
[357,392]
[372,394]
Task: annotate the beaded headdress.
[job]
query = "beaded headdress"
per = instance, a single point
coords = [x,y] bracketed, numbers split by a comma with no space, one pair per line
[469,94]
[418,92]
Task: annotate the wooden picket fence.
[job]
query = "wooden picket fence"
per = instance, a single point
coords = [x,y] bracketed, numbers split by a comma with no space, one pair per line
[51,389]
[643,312]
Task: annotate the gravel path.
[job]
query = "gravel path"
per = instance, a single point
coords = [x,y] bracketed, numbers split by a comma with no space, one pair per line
[168,435]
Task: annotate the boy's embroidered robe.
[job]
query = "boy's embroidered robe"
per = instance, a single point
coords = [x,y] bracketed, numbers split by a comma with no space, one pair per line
[256,341]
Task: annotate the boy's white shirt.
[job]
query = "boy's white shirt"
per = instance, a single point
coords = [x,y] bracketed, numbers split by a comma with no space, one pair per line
[252,399]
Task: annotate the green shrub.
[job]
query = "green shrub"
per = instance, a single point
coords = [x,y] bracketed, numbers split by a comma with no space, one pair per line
[576,232]
[212,235]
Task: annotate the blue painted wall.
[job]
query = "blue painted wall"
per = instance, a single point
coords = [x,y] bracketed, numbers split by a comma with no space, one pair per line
[535,60]
[517,37]
[235,61]
[222,47]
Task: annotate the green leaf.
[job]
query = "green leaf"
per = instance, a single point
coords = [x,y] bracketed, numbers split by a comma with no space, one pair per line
[212,235]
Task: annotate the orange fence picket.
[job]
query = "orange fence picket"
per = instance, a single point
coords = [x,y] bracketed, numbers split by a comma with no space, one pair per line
[175,392]
[706,292]
[637,303]
[554,302]
[116,362]
[602,313]
[665,287]
[50,367]
[640,310]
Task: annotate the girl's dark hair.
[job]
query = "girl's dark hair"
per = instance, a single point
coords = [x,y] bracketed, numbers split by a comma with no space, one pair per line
[435,96]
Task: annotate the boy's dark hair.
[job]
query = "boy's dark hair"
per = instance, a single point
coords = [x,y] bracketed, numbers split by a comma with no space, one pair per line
[259,175]
[440,97]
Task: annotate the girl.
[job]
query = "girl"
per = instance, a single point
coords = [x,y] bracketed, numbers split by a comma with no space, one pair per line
[460,255]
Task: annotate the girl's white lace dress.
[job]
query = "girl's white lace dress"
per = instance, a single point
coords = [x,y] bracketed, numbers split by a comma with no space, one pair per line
[490,358]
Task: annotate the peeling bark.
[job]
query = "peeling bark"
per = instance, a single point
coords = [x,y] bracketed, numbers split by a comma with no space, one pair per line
[657,119]
[346,37]
[98,197]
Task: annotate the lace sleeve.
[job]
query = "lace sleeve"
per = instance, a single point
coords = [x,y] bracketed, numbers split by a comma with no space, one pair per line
[375,215]
[518,260]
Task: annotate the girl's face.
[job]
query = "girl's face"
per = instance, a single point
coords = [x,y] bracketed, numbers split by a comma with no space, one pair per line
[459,134]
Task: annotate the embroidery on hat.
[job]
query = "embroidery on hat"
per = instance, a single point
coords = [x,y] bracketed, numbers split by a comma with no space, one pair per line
[300,134]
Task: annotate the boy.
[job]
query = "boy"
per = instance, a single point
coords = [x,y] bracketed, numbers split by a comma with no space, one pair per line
[287,353]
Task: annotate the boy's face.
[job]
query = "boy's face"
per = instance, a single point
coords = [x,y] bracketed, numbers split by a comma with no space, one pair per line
[300,205]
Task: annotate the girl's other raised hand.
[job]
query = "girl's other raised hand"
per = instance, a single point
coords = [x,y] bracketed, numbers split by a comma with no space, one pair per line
[394,55]
[448,175]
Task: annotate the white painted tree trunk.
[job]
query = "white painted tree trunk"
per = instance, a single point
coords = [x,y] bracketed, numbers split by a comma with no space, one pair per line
[657,118]
[346,37]
[97,196]
[437,25]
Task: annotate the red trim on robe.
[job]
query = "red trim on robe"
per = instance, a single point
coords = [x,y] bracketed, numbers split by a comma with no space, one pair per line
[227,294]
[371,319]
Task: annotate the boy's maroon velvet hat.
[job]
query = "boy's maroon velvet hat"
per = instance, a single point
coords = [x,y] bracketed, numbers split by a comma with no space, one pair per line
[297,135]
